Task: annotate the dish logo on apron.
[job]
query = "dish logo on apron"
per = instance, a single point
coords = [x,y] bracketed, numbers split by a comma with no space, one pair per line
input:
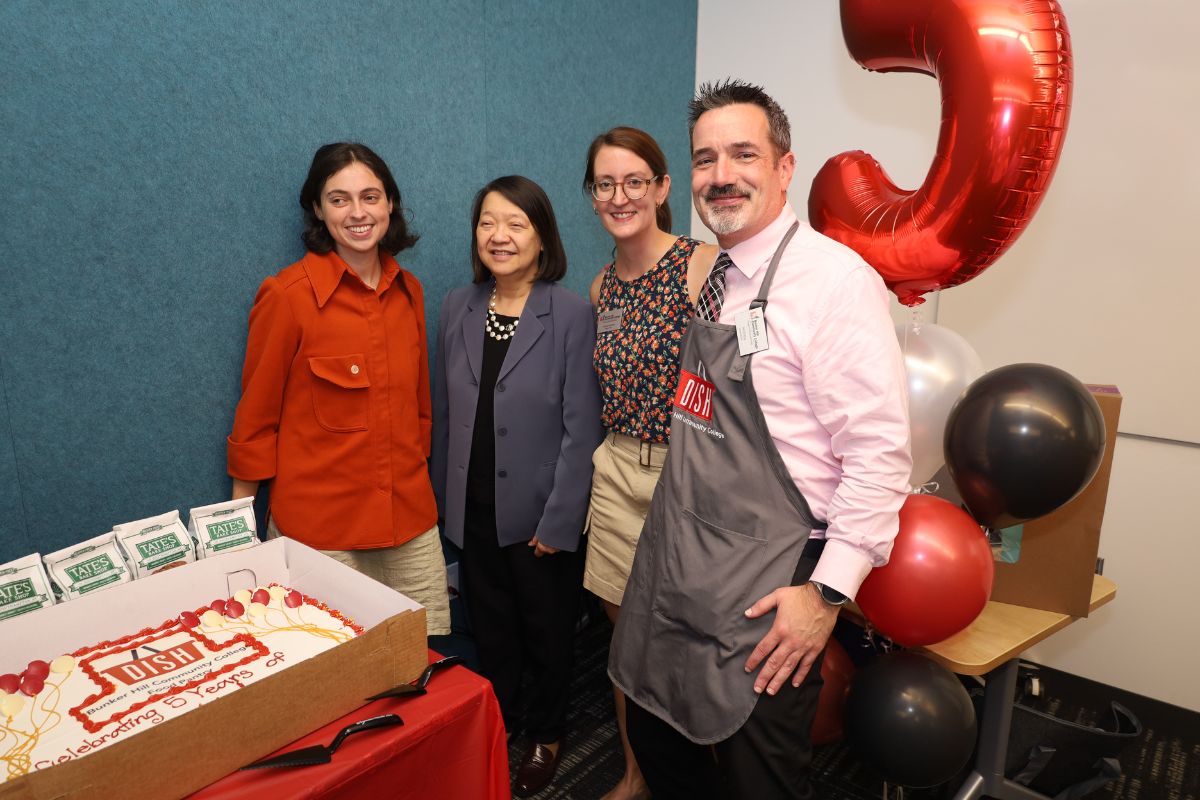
[695,395]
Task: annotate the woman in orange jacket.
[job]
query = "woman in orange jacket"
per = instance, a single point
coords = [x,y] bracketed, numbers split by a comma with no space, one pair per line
[335,407]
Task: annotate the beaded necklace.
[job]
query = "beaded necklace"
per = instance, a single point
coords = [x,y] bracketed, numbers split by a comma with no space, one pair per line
[495,329]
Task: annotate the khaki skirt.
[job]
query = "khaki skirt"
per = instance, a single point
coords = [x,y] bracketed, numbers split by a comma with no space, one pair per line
[626,472]
[416,569]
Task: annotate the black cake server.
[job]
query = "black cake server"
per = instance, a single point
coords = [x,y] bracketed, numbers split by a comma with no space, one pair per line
[417,687]
[319,753]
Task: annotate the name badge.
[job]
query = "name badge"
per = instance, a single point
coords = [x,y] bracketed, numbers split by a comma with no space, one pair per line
[609,321]
[751,331]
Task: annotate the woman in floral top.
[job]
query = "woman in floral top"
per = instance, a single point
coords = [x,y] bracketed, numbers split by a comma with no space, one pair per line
[644,299]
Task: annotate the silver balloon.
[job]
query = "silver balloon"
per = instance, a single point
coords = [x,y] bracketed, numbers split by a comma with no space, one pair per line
[940,366]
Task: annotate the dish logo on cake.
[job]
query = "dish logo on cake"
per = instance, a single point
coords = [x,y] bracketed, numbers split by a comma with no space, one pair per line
[155,665]
[158,662]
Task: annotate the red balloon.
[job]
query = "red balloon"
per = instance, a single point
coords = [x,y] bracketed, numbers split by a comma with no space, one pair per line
[938,579]
[1005,71]
[837,670]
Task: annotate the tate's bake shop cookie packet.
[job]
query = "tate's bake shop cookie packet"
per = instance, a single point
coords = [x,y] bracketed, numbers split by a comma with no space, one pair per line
[223,527]
[86,567]
[154,544]
[24,586]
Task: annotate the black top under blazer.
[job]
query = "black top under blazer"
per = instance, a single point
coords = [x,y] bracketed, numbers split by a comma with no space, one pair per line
[547,415]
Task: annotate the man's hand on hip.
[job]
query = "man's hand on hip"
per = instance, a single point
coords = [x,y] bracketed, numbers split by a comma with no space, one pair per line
[803,622]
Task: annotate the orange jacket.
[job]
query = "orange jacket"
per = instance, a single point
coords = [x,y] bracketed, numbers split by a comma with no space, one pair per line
[335,405]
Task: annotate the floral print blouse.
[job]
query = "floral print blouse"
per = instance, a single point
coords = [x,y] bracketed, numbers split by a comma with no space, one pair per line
[638,362]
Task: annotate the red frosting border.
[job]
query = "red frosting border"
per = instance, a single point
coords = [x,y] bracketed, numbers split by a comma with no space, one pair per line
[122,643]
[258,650]
[349,623]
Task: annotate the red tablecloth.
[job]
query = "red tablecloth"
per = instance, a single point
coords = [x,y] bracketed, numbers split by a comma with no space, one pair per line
[451,747]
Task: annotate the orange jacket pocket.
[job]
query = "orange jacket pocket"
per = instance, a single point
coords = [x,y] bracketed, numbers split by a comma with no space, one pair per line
[340,397]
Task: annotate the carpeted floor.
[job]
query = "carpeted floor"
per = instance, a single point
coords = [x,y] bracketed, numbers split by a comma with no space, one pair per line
[1163,764]
[591,762]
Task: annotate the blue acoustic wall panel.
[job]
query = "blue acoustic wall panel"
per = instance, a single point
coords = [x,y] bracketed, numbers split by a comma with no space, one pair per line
[613,63]
[14,543]
[153,153]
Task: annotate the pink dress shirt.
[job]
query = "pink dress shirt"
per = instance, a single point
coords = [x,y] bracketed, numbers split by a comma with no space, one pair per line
[832,389]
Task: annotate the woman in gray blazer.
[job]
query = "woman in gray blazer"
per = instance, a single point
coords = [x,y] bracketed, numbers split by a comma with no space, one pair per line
[516,417]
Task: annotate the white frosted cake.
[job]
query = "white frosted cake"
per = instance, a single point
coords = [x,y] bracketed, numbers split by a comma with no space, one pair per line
[74,704]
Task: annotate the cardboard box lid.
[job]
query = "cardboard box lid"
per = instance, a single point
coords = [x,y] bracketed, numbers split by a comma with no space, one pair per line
[179,756]
[147,602]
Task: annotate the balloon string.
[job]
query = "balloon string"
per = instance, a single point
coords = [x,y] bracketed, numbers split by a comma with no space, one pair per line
[876,640]
[915,320]
[927,488]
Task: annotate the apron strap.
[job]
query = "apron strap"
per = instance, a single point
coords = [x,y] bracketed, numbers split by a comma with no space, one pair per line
[765,287]
[737,370]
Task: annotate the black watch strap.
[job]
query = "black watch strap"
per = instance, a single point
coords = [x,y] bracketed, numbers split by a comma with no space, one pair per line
[830,595]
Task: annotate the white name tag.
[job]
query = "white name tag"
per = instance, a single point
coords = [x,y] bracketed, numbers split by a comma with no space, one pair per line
[751,331]
[609,321]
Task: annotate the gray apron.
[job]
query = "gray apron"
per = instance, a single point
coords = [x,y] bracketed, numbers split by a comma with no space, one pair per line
[727,526]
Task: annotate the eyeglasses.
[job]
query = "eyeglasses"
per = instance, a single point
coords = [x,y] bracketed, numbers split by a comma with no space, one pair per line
[634,188]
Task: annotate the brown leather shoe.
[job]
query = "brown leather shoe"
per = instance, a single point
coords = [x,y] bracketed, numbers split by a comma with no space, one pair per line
[536,771]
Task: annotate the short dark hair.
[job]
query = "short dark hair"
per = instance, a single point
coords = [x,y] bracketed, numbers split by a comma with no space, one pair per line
[642,145]
[716,94]
[529,197]
[328,161]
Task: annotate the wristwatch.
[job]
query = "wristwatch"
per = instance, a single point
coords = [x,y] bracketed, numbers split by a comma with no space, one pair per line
[830,595]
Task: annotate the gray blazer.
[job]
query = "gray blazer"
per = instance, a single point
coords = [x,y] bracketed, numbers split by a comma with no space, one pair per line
[547,415]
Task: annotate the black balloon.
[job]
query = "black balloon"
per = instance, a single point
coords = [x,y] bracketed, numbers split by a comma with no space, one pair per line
[1022,441]
[911,720]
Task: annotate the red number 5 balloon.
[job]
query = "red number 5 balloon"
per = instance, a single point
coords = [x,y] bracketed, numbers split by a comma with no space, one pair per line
[1004,67]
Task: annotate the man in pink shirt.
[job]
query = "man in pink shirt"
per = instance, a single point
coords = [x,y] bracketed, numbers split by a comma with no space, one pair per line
[789,462]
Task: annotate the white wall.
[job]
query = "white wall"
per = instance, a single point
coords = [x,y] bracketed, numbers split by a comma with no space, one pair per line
[1101,283]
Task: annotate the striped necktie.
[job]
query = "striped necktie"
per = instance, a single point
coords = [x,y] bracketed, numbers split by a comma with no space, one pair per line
[708,305]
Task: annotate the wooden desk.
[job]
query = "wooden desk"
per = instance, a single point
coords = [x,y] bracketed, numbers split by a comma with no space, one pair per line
[992,646]
[1003,631]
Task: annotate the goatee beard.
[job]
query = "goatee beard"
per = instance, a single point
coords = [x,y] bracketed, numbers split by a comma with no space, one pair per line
[725,222]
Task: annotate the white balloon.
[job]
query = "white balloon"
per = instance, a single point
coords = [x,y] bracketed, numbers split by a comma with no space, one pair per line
[940,366]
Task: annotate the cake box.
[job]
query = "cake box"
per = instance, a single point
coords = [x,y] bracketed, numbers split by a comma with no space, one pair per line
[183,754]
